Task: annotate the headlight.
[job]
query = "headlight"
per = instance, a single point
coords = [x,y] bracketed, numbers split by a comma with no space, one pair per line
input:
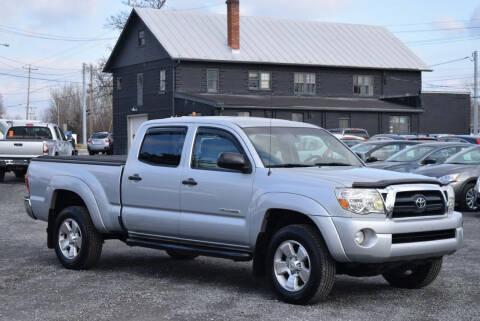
[447,179]
[451,199]
[360,201]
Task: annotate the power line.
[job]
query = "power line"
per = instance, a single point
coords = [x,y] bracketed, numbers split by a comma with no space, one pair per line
[449,61]
[429,23]
[439,29]
[44,79]
[33,34]
[441,40]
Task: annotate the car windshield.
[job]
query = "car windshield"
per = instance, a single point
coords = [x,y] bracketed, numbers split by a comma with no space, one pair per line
[356,132]
[299,147]
[99,136]
[29,132]
[363,148]
[471,156]
[411,154]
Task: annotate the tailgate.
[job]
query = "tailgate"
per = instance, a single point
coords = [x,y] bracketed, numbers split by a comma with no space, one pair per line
[21,148]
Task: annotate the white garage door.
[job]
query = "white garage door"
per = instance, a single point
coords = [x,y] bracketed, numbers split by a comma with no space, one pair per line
[134,122]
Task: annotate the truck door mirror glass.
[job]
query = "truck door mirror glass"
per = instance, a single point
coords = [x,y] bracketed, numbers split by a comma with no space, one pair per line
[234,161]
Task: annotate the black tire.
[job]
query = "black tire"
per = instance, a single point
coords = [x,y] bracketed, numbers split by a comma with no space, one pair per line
[321,264]
[180,256]
[91,244]
[464,206]
[414,277]
[2,176]
[20,174]
[91,153]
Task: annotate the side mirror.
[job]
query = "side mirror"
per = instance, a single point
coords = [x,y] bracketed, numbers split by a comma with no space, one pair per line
[371,160]
[429,161]
[234,161]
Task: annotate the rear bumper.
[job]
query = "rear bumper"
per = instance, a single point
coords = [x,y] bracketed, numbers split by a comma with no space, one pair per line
[380,247]
[98,148]
[14,164]
[28,206]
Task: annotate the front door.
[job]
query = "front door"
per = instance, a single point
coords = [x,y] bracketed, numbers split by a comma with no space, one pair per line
[134,122]
[215,201]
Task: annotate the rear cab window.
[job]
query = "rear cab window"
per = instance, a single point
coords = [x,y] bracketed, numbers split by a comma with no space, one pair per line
[29,132]
[162,146]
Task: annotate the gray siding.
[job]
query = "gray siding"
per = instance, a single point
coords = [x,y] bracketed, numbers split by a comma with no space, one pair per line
[445,113]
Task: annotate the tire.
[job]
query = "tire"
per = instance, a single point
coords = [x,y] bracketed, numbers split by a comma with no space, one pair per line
[414,277]
[20,174]
[85,254]
[2,176]
[321,266]
[91,153]
[180,256]
[466,203]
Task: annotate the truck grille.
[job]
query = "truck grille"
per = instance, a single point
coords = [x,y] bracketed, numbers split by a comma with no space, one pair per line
[423,236]
[418,203]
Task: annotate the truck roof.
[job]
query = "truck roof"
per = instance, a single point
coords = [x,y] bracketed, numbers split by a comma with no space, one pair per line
[229,120]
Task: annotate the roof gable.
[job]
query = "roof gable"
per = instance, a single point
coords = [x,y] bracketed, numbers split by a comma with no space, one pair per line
[203,36]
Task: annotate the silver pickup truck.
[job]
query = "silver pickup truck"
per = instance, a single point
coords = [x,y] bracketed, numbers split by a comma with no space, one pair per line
[28,140]
[287,195]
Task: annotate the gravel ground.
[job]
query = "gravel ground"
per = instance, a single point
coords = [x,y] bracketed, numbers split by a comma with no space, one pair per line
[143,284]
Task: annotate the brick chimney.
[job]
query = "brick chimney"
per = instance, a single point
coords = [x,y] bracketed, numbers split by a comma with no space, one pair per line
[233,22]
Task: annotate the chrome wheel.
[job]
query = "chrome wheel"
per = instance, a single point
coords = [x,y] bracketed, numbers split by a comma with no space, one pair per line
[70,238]
[291,265]
[470,198]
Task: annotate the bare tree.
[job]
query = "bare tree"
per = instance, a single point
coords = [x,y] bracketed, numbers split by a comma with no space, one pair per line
[2,109]
[65,108]
[117,21]
[102,90]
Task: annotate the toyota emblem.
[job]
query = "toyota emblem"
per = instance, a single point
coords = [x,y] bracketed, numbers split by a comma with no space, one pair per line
[421,202]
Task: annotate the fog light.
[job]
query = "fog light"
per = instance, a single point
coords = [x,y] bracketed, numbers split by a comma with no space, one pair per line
[359,237]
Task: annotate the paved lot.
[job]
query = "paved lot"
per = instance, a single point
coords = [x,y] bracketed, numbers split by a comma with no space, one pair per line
[142,284]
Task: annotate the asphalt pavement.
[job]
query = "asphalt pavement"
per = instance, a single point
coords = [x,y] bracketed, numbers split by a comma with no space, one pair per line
[143,284]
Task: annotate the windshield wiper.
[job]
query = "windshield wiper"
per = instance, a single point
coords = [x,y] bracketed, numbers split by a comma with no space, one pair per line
[332,164]
[289,165]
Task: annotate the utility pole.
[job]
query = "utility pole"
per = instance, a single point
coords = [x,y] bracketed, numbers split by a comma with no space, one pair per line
[29,68]
[475,93]
[84,106]
[91,99]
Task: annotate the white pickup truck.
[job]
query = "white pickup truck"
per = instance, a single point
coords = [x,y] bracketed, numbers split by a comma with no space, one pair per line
[287,195]
[28,140]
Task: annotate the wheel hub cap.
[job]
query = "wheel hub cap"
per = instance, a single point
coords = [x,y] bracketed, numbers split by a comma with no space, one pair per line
[70,238]
[292,266]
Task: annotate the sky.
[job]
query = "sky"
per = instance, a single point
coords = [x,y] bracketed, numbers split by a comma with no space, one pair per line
[66,33]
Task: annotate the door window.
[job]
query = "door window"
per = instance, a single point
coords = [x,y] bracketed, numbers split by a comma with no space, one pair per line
[210,143]
[441,156]
[163,146]
[385,152]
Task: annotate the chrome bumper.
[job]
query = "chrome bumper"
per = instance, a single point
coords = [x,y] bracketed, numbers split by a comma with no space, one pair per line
[28,206]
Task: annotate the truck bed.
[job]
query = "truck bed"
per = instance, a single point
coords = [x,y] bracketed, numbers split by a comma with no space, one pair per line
[117,160]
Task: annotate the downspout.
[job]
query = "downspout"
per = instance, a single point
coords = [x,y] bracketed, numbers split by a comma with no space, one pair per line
[174,85]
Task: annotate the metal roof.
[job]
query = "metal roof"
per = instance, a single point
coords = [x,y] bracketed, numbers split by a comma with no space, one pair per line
[190,35]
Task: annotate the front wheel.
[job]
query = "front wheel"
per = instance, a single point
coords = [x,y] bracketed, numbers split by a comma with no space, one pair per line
[300,267]
[415,276]
[78,244]
[467,198]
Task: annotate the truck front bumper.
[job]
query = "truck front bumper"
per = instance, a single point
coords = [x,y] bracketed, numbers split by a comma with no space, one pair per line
[389,240]
[28,206]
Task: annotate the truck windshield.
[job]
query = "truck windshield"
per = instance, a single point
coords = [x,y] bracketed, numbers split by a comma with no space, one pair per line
[29,132]
[299,147]
[411,154]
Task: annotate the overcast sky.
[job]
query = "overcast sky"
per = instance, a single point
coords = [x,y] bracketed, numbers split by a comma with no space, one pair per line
[437,31]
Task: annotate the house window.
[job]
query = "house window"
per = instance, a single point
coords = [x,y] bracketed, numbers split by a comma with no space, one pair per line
[344,122]
[363,85]
[162,81]
[119,83]
[297,117]
[259,80]
[212,80]
[139,89]
[141,38]
[243,114]
[400,125]
[304,83]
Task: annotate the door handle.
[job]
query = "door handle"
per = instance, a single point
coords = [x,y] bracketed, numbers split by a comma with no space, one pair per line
[190,181]
[18,144]
[135,178]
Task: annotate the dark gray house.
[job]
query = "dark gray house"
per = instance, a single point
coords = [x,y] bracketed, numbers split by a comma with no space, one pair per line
[171,63]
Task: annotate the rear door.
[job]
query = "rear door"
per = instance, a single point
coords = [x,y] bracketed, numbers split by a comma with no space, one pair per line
[151,183]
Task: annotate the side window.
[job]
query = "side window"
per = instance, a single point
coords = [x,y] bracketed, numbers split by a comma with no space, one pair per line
[139,89]
[212,80]
[57,133]
[210,143]
[62,135]
[385,152]
[163,146]
[442,155]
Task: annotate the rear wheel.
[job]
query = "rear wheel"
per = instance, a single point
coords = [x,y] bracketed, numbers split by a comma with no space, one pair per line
[299,265]
[2,175]
[467,200]
[180,256]
[20,174]
[414,276]
[91,152]
[78,244]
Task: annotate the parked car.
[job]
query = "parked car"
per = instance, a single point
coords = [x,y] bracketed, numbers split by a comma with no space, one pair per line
[350,132]
[100,143]
[461,172]
[4,125]
[287,195]
[420,155]
[471,139]
[23,143]
[376,151]
[350,141]
[402,137]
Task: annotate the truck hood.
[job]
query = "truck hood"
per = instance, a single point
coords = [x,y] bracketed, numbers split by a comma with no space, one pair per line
[343,176]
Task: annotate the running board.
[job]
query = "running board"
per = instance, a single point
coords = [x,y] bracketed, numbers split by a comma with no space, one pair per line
[190,249]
